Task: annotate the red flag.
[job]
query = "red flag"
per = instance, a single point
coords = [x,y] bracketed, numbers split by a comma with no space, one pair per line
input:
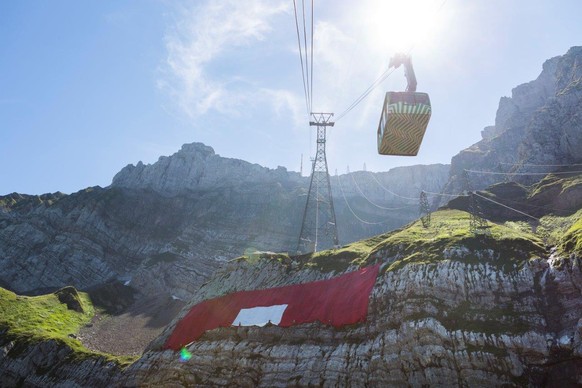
[339,301]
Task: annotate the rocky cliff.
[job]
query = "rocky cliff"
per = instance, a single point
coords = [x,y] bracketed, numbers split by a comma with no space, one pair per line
[448,309]
[537,130]
[52,363]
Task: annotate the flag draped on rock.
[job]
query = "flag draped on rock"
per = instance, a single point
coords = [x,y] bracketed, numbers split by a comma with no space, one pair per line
[338,301]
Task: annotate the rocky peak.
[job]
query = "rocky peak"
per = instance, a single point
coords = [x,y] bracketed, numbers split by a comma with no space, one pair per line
[540,124]
[197,166]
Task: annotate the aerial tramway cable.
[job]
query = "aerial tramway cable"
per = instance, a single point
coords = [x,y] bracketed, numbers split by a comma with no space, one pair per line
[540,165]
[524,173]
[505,206]
[309,86]
[390,191]
[352,211]
[365,94]
[311,62]
[305,81]
[374,204]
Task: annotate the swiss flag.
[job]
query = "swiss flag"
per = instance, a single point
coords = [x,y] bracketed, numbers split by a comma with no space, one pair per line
[339,301]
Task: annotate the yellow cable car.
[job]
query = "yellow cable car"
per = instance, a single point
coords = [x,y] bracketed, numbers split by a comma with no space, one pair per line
[405,116]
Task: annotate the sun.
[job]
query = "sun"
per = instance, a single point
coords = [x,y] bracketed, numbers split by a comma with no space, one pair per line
[399,26]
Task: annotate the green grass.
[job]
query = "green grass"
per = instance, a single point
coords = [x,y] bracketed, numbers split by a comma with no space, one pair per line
[562,232]
[44,315]
[253,256]
[42,318]
[553,228]
[339,259]
[449,230]
[551,180]
[572,240]
[509,245]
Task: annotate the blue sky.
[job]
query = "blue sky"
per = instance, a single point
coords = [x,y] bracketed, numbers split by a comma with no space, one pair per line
[87,87]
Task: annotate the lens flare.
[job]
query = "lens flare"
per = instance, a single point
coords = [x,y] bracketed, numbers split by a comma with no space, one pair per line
[185,355]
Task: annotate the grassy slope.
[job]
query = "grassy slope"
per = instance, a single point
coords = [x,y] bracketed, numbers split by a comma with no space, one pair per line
[448,231]
[41,318]
[551,181]
[514,241]
[572,240]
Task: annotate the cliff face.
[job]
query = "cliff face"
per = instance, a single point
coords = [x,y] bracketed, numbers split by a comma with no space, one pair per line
[53,364]
[447,309]
[165,227]
[541,124]
[197,167]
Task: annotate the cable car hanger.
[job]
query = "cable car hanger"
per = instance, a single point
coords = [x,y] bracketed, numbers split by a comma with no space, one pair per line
[405,115]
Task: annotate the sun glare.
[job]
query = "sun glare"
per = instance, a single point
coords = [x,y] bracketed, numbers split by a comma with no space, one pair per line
[402,25]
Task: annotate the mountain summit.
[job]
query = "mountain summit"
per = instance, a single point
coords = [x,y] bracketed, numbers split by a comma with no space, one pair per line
[538,129]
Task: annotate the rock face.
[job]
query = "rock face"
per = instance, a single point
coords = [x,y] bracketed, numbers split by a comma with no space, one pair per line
[536,130]
[164,228]
[197,167]
[53,364]
[463,320]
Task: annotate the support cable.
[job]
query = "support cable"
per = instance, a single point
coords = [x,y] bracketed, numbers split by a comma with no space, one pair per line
[366,93]
[390,191]
[374,204]
[352,211]
[301,59]
[524,173]
[306,58]
[530,205]
[540,165]
[446,195]
[508,207]
[312,33]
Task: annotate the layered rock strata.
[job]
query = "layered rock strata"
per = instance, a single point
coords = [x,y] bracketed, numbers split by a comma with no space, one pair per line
[470,318]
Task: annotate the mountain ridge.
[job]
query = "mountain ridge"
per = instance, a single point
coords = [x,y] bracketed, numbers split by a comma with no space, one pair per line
[451,306]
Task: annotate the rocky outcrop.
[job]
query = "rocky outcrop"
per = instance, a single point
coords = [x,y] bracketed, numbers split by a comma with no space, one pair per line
[52,364]
[537,130]
[197,167]
[469,318]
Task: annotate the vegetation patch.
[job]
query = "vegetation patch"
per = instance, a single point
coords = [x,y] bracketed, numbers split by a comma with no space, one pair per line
[551,229]
[29,320]
[340,259]
[253,256]
[572,240]
[552,181]
[449,237]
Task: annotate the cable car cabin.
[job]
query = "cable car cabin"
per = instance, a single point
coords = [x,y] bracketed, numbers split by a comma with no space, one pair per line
[404,119]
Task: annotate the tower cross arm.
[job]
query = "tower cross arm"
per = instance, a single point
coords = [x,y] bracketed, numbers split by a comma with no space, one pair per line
[322,120]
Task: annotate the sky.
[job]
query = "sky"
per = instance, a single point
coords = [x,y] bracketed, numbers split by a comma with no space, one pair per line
[87,87]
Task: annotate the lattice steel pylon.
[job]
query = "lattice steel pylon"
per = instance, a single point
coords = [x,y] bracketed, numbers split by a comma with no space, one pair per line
[424,210]
[477,224]
[319,229]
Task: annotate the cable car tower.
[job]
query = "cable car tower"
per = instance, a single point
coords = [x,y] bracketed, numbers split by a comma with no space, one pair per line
[319,229]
